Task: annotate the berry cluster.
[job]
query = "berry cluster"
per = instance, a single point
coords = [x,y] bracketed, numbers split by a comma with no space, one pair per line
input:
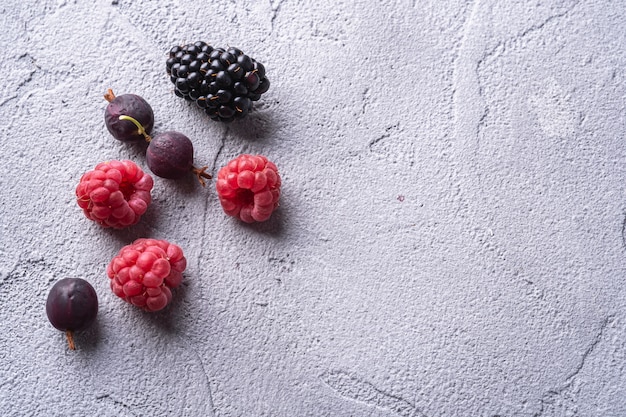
[144,272]
[169,155]
[115,193]
[249,188]
[223,82]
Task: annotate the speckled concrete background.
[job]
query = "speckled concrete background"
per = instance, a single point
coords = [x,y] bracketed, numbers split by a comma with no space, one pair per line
[450,240]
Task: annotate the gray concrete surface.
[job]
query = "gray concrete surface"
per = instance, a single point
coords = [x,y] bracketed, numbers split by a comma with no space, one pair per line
[451,236]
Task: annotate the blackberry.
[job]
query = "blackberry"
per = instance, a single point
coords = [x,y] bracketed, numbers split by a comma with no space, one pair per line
[221,81]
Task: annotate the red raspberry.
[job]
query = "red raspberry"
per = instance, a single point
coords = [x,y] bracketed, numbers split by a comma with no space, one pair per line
[115,194]
[144,272]
[249,188]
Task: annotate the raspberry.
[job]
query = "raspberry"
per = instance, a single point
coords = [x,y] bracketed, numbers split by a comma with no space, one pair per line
[249,188]
[144,272]
[222,82]
[115,194]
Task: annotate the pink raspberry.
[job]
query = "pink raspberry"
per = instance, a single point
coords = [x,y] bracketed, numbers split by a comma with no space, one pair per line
[144,272]
[249,188]
[115,194]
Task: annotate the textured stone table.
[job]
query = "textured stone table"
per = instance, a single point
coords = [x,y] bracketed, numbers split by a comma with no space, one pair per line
[450,240]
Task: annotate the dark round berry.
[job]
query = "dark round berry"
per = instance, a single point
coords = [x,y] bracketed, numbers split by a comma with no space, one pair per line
[226,112]
[128,105]
[223,79]
[227,58]
[240,89]
[181,85]
[194,93]
[213,100]
[170,155]
[224,96]
[234,51]
[194,66]
[254,96]
[246,62]
[194,79]
[252,80]
[174,70]
[215,54]
[201,102]
[169,63]
[175,49]
[204,68]
[203,57]
[264,85]
[242,106]
[213,87]
[235,71]
[72,305]
[186,59]
[193,50]
[183,71]
[201,45]
[204,87]
[217,65]
[260,69]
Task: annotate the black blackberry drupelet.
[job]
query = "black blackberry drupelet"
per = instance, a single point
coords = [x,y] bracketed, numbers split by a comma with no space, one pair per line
[222,82]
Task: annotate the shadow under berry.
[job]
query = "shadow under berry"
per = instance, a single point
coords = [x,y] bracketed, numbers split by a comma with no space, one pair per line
[172,318]
[259,125]
[274,226]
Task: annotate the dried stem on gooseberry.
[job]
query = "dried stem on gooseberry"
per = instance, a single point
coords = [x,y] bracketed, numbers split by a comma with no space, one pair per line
[70,339]
[201,174]
[109,96]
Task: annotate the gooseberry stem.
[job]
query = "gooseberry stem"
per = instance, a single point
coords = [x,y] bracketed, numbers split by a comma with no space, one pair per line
[70,339]
[109,96]
[140,128]
[201,174]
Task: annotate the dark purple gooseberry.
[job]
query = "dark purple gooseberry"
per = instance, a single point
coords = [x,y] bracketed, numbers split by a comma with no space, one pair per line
[72,305]
[130,105]
[170,155]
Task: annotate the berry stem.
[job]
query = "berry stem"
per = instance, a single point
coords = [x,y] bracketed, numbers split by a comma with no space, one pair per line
[140,128]
[201,174]
[109,96]
[70,339]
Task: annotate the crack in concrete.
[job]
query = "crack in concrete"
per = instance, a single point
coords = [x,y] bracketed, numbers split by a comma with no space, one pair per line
[502,45]
[29,78]
[201,257]
[275,7]
[550,395]
[387,134]
[357,389]
[473,55]
[116,402]
[205,374]
[365,100]
[219,151]
[624,233]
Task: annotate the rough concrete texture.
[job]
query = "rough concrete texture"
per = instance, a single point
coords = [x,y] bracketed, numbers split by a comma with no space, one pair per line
[451,235]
